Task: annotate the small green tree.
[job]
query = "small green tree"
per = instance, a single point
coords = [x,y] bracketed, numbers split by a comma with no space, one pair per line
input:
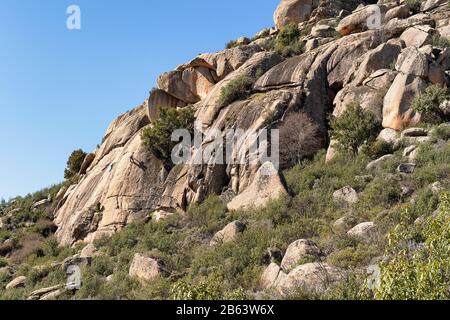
[429,102]
[158,138]
[354,128]
[74,163]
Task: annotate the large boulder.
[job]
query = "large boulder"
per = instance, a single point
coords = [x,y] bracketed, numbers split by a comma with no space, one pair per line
[144,268]
[417,36]
[188,85]
[267,185]
[272,276]
[49,293]
[358,20]
[412,61]
[379,162]
[390,136]
[379,58]
[52,295]
[322,31]
[293,11]
[362,231]
[395,27]
[159,99]
[368,98]
[228,233]
[89,252]
[311,277]
[346,194]
[18,282]
[380,79]
[223,62]
[400,12]
[172,83]
[299,250]
[397,112]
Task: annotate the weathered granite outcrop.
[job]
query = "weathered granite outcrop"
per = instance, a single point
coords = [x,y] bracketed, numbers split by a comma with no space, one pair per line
[116,190]
[381,68]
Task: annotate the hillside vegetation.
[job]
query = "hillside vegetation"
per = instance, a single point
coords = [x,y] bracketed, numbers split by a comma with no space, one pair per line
[358,209]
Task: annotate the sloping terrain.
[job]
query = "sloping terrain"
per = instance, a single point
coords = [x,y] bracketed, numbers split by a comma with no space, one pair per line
[361,195]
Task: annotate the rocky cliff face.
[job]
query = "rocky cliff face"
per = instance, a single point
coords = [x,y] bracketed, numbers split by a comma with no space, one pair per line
[344,60]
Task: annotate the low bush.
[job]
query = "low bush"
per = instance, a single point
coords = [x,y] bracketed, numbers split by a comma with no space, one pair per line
[238,88]
[432,165]
[288,42]
[353,257]
[378,149]
[440,41]
[208,215]
[427,104]
[206,289]
[441,132]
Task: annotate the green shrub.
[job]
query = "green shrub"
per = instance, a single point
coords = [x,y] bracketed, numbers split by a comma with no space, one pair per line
[238,88]
[158,138]
[354,128]
[288,42]
[381,193]
[378,149]
[74,163]
[208,215]
[419,268]
[51,247]
[3,263]
[352,287]
[440,41]
[427,104]
[432,165]
[441,132]
[353,257]
[207,289]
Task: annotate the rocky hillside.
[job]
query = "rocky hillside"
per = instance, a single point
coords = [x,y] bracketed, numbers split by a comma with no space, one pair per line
[359,93]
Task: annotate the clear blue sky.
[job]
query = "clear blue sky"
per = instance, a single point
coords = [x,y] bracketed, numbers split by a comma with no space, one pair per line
[59,89]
